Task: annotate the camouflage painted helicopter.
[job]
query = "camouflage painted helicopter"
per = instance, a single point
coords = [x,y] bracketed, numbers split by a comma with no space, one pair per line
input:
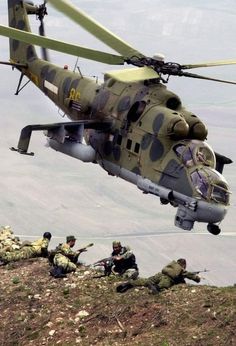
[131,125]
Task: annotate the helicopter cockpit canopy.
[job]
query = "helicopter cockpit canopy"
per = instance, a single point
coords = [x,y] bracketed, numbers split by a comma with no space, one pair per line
[200,159]
[211,185]
[194,152]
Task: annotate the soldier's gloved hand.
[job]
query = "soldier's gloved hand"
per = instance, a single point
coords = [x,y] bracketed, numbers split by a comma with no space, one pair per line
[198,279]
[124,287]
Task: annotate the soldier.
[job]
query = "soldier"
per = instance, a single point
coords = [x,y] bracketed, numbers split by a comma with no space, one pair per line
[123,261]
[38,248]
[8,241]
[65,259]
[172,274]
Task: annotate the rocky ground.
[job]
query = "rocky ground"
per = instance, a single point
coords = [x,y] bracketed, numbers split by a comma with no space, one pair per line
[36,309]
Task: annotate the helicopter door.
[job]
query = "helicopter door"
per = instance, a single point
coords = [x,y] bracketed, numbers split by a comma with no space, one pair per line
[130,136]
[131,150]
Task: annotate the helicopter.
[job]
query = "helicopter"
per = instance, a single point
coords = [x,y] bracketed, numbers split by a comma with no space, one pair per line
[131,124]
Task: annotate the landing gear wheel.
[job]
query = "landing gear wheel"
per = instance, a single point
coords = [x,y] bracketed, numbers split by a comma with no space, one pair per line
[213,229]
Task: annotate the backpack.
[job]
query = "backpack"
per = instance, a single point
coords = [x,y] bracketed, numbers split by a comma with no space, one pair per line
[173,270]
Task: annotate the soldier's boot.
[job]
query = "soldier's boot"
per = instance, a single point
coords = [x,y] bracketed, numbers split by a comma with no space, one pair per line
[57,272]
[154,289]
[124,287]
[3,261]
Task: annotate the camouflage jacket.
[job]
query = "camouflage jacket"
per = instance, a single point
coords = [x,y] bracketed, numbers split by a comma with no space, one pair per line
[65,250]
[177,273]
[40,246]
[127,260]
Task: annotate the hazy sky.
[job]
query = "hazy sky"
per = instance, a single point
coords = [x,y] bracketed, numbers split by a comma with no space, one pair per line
[54,192]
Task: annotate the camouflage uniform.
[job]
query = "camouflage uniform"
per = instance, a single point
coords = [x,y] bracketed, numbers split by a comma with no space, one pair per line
[8,241]
[65,258]
[9,244]
[126,265]
[35,249]
[172,274]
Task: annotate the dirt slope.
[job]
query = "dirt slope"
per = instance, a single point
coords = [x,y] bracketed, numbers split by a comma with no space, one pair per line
[36,309]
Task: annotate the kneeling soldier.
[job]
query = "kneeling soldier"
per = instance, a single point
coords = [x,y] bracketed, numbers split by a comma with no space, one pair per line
[65,259]
[123,261]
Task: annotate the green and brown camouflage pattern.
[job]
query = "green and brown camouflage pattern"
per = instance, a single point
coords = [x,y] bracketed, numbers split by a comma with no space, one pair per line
[171,275]
[37,248]
[148,122]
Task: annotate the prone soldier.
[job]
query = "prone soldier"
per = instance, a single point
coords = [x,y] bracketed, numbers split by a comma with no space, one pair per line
[172,274]
[37,248]
[8,241]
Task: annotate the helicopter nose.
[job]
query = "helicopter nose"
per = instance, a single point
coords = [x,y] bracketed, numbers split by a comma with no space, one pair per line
[206,212]
[211,213]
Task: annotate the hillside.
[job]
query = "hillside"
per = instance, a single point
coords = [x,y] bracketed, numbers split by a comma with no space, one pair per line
[36,309]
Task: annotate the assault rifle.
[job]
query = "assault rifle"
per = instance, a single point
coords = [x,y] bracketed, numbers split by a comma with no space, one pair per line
[201,271]
[107,263]
[84,248]
[78,252]
[73,257]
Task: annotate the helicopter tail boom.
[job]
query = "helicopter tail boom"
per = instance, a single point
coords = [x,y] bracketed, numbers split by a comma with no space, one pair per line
[20,52]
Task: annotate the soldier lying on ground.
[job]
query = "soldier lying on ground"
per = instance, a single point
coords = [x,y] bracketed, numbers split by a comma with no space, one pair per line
[8,241]
[37,248]
[172,274]
[64,259]
[121,262]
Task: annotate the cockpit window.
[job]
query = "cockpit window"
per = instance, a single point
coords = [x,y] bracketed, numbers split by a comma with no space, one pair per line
[219,194]
[210,185]
[192,153]
[200,183]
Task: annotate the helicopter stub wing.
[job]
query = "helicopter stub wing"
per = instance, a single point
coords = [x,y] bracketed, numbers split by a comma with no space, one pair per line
[96,29]
[59,131]
[60,46]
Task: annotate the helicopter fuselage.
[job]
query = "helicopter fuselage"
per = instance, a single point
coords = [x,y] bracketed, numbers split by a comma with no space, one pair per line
[147,119]
[152,138]
[135,129]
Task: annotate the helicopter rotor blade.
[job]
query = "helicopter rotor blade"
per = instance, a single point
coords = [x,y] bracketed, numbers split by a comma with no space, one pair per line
[209,64]
[193,75]
[62,47]
[96,29]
